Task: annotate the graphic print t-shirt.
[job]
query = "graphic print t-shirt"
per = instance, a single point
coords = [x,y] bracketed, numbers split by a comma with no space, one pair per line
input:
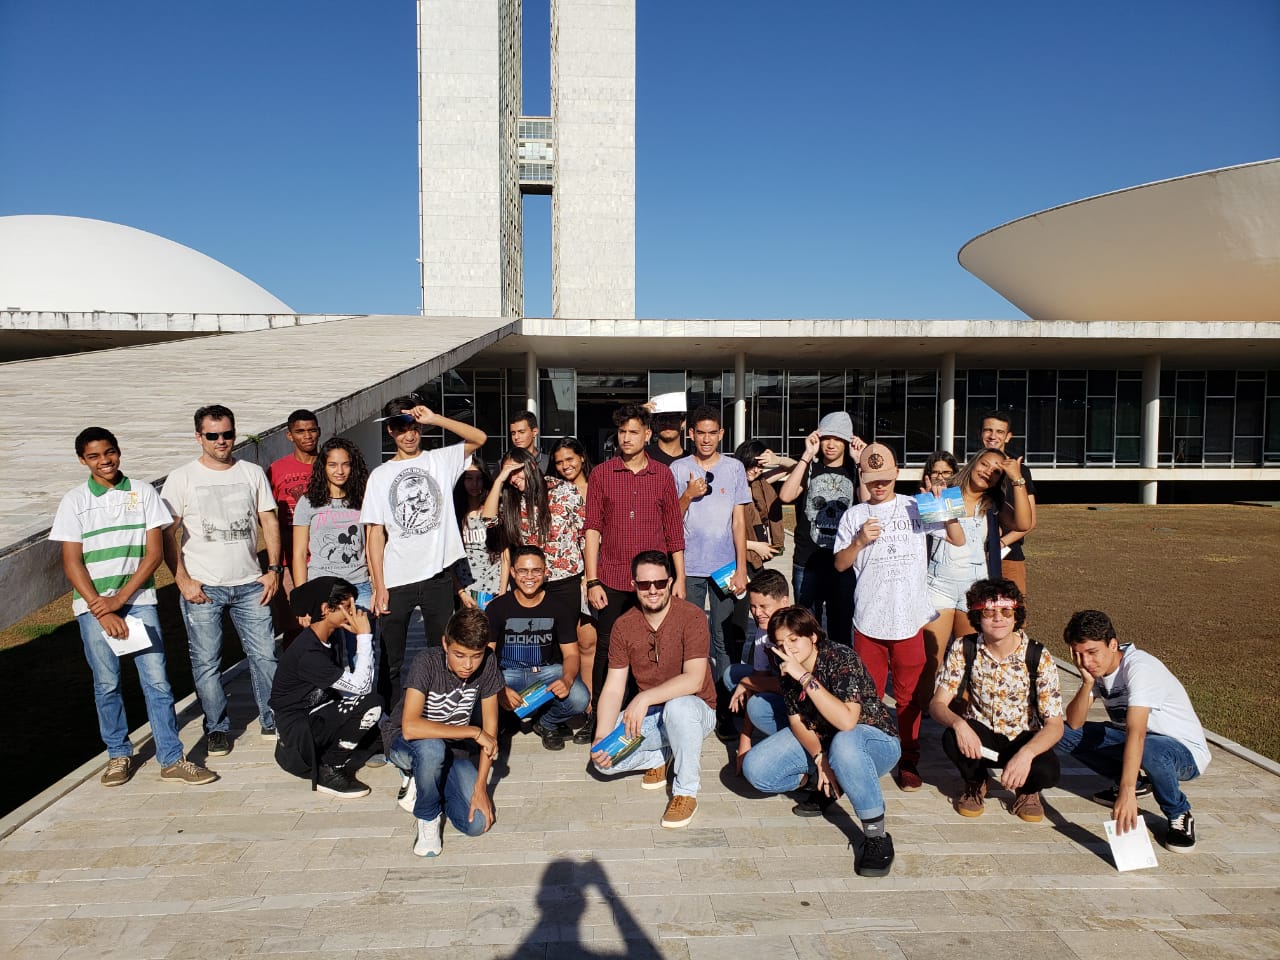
[530,636]
[449,699]
[828,493]
[219,511]
[335,539]
[413,500]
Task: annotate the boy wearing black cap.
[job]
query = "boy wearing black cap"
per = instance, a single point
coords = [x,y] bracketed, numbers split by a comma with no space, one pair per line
[324,710]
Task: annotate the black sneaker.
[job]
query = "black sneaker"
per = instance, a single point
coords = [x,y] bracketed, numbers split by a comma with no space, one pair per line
[219,744]
[726,730]
[814,805]
[1181,837]
[552,737]
[269,733]
[338,783]
[877,857]
[585,734]
[1109,796]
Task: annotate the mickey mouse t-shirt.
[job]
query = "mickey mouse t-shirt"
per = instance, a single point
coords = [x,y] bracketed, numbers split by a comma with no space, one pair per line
[335,540]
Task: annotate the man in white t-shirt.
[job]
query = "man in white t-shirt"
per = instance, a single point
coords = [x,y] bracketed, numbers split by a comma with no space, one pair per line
[412,536]
[1151,726]
[220,504]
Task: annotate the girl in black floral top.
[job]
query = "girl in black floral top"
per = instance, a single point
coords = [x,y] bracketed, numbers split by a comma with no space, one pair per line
[840,738]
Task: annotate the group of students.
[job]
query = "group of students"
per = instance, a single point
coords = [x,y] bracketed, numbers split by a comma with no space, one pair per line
[636,595]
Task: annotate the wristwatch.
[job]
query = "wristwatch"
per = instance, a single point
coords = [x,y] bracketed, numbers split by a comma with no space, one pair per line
[275,568]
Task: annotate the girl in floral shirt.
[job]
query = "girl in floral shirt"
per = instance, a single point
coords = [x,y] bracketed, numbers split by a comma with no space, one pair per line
[532,509]
[840,738]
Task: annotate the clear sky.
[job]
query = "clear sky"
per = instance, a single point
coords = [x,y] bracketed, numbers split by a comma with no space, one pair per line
[821,159]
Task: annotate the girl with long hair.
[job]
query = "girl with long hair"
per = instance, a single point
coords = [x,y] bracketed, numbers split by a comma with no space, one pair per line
[479,571]
[328,538]
[569,459]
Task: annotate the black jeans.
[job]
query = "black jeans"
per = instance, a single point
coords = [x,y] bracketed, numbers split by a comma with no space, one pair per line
[620,601]
[435,597]
[820,588]
[1045,771]
[342,726]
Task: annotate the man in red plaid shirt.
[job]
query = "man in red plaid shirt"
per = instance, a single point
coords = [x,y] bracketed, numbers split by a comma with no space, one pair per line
[631,507]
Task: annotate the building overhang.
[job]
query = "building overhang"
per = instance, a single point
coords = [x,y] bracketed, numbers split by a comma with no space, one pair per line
[714,344]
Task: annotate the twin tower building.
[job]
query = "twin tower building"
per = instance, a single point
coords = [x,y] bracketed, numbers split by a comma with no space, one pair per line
[478,156]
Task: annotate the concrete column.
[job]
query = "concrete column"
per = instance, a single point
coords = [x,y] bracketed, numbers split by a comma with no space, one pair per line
[368,437]
[531,381]
[739,398]
[947,403]
[1150,422]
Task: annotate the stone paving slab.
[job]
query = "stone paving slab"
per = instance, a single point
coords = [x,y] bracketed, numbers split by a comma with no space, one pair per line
[256,864]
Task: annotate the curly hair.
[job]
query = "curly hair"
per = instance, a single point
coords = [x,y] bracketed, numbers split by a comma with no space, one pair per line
[995,588]
[318,484]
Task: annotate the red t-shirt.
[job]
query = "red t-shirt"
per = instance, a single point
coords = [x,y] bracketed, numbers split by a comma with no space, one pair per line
[682,636]
[289,478]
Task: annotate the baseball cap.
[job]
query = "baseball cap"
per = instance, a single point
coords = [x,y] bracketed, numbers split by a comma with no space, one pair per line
[877,463]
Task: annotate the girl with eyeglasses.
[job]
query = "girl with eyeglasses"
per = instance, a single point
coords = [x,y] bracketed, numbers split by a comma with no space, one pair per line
[953,570]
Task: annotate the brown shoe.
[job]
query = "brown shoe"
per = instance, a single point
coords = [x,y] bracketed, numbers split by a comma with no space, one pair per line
[1027,806]
[969,803]
[655,779]
[118,772]
[680,810]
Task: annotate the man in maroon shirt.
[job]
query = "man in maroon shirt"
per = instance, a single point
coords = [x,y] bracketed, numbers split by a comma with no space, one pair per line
[631,507]
[664,645]
[289,477]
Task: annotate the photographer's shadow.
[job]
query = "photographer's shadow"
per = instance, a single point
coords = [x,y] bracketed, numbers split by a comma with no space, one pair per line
[562,900]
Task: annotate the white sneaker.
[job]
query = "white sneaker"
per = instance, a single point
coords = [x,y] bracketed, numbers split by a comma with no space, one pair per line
[410,794]
[428,842]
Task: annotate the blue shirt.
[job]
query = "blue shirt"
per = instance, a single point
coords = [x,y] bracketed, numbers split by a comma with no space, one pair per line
[708,523]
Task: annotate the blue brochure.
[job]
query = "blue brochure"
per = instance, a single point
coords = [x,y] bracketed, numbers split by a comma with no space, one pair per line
[617,744]
[947,504]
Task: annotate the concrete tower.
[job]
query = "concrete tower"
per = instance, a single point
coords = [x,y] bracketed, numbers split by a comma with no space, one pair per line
[477,156]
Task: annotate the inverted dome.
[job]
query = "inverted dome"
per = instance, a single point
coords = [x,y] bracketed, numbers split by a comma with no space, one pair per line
[76,265]
[1201,247]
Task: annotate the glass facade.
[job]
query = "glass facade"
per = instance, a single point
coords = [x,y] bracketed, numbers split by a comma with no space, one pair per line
[1061,418]
[536,153]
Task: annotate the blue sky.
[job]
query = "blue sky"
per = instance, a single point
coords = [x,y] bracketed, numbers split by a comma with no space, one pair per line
[825,163]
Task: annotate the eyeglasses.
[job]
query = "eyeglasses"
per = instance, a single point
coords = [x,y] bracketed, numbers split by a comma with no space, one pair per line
[652,584]
[993,613]
[941,474]
[526,572]
[212,435]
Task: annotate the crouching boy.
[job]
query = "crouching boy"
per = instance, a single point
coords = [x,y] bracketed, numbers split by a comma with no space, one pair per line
[325,711]
[433,739]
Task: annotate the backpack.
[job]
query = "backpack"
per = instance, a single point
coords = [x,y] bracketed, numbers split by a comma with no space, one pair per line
[1035,650]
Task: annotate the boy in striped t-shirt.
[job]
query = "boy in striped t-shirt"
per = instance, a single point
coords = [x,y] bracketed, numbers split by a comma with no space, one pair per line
[111,534]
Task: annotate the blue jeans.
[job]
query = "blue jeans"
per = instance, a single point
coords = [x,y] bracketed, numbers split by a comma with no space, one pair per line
[677,730]
[150,664]
[1100,746]
[766,711]
[697,590]
[443,780]
[858,757]
[554,712]
[257,638]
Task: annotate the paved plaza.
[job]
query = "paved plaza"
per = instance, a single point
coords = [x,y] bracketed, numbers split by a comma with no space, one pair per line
[576,867]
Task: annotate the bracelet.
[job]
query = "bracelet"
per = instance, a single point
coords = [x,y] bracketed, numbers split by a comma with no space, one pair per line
[804,679]
[593,583]
[1020,482]
[812,684]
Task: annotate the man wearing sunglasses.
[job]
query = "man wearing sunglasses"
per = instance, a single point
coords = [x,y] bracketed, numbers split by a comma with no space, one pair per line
[664,645]
[220,504]
[1013,714]
[412,537]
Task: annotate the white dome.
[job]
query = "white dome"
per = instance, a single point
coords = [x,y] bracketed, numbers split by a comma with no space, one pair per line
[75,265]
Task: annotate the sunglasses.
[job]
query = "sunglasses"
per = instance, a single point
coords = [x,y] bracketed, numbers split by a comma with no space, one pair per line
[652,584]
[653,646]
[993,613]
[212,435]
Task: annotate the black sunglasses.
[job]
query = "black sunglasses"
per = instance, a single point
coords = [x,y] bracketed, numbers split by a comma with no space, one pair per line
[653,584]
[212,435]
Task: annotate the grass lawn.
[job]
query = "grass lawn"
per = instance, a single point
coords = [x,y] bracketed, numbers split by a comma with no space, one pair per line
[1191,584]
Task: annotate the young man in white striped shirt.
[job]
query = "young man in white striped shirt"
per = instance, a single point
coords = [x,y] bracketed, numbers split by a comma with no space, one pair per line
[111,530]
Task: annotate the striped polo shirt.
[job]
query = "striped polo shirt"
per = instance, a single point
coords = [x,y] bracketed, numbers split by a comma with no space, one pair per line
[111,524]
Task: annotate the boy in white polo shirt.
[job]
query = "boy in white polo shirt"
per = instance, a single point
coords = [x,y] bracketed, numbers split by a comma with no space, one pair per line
[111,530]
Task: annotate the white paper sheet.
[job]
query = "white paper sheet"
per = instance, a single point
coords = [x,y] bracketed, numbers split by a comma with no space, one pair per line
[1132,850]
[138,638]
